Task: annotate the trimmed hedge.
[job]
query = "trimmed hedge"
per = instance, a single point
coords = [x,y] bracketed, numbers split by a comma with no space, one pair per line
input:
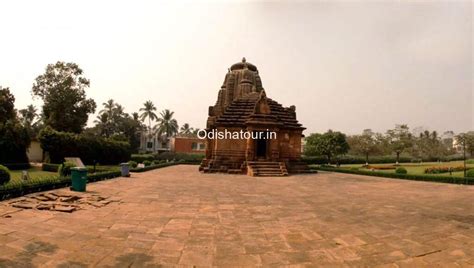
[90,149]
[4,175]
[50,167]
[19,188]
[162,165]
[168,156]
[187,157]
[17,166]
[416,177]
[470,173]
[140,158]
[349,159]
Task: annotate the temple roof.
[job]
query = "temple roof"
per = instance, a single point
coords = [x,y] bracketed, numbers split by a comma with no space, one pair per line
[245,111]
[242,65]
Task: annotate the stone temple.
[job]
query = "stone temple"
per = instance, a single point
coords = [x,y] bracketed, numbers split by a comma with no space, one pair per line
[242,106]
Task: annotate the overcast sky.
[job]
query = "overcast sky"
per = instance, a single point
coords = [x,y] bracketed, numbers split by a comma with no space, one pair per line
[346,66]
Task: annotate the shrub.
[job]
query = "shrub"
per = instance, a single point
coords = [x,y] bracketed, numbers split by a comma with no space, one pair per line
[470,173]
[187,157]
[50,167]
[155,162]
[384,167]
[4,175]
[147,163]
[439,170]
[401,170]
[470,161]
[416,177]
[65,169]
[17,166]
[140,158]
[132,164]
[90,149]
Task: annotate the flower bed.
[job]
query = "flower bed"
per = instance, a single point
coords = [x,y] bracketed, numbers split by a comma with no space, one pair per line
[443,169]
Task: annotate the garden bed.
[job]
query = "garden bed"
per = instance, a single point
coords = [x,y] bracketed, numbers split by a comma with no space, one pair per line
[415,177]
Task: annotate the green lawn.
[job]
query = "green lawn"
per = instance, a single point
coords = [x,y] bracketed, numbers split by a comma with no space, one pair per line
[34,172]
[417,168]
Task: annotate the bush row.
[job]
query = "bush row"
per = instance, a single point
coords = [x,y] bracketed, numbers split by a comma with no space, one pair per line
[162,165]
[348,159]
[167,156]
[90,149]
[19,188]
[439,170]
[416,177]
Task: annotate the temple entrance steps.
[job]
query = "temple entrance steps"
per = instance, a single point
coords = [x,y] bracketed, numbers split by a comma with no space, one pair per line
[267,169]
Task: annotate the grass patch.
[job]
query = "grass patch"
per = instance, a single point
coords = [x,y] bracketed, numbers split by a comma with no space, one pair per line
[415,177]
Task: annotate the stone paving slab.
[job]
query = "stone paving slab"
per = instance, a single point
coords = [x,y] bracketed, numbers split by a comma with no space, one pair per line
[176,216]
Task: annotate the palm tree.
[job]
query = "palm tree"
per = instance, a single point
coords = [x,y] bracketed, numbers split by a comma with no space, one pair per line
[185,129]
[167,124]
[28,115]
[148,112]
[108,107]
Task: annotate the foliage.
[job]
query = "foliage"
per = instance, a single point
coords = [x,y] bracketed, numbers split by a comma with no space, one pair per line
[350,159]
[167,125]
[364,144]
[401,170]
[14,138]
[19,188]
[329,144]
[470,173]
[90,149]
[385,167]
[132,164]
[399,139]
[65,168]
[4,175]
[114,123]
[62,89]
[416,177]
[7,105]
[50,167]
[139,158]
[152,167]
[439,170]
[169,156]
[147,163]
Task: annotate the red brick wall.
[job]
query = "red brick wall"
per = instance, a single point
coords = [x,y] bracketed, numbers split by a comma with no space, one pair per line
[185,145]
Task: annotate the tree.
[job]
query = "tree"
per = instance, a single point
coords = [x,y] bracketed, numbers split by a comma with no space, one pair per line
[185,129]
[148,111]
[429,146]
[399,139]
[364,144]
[469,136]
[167,125]
[463,140]
[330,144]
[14,138]
[62,89]
[28,120]
[7,105]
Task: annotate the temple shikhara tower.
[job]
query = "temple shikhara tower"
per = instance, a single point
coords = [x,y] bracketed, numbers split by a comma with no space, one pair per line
[242,105]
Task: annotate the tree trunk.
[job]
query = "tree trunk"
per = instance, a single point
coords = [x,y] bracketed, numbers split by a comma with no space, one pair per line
[366,159]
[329,159]
[398,157]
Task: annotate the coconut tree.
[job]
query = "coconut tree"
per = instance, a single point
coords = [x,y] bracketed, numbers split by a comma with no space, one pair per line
[185,129]
[148,111]
[167,125]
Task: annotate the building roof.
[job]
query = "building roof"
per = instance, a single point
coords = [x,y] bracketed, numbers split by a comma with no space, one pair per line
[256,109]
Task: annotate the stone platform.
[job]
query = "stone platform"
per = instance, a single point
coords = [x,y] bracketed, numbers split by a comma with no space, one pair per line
[178,216]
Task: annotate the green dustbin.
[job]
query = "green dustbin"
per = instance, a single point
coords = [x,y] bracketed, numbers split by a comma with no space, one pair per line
[79,179]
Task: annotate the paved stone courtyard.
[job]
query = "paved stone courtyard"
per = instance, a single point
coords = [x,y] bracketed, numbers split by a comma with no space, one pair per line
[177,216]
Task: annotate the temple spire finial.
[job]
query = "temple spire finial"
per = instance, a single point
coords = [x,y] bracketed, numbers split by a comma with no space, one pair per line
[244,60]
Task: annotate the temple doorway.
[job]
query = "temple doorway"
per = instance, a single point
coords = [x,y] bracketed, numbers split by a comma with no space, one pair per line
[261,150]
